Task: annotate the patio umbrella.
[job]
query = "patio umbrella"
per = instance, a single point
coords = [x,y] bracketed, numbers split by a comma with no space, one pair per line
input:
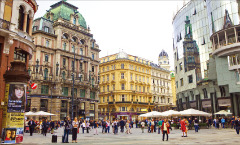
[42,113]
[157,114]
[30,113]
[170,113]
[149,114]
[223,112]
[193,112]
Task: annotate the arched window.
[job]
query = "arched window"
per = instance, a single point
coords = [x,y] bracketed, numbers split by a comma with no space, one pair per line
[82,41]
[45,74]
[21,18]
[74,39]
[65,36]
[64,75]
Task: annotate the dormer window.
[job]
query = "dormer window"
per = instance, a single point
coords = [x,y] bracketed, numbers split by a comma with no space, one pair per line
[46,29]
[74,21]
[34,28]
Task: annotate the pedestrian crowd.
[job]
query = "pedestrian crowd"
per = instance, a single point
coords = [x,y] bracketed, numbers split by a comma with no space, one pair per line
[156,125]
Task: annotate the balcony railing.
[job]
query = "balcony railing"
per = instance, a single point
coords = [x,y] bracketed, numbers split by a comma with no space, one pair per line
[4,24]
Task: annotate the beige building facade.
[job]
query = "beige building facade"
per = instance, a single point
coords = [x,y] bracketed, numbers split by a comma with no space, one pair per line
[66,53]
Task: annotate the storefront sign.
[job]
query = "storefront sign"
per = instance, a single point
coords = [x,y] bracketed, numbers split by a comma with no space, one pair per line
[91,114]
[144,110]
[224,102]
[206,104]
[13,113]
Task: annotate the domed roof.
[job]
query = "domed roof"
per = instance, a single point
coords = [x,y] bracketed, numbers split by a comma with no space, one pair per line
[163,53]
[62,9]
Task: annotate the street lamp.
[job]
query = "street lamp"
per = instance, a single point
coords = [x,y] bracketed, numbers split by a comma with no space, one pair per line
[52,87]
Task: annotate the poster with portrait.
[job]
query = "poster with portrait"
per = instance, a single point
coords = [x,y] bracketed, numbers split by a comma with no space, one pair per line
[19,135]
[9,135]
[16,98]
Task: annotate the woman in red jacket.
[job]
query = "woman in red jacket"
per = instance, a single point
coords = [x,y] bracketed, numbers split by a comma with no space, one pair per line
[165,128]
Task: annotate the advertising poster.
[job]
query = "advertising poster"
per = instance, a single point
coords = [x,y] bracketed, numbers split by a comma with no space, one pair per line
[16,98]
[13,113]
[9,135]
[19,135]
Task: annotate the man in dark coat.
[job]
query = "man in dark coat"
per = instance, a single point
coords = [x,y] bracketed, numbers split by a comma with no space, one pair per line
[31,125]
[52,126]
[122,124]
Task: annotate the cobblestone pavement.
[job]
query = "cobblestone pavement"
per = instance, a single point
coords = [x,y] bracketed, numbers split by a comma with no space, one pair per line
[204,136]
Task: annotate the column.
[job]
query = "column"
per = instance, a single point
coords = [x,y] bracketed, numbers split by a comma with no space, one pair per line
[25,21]
[30,26]
[2,5]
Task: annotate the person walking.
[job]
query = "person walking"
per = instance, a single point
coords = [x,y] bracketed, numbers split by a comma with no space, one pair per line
[196,124]
[149,126]
[183,126]
[217,123]
[83,126]
[122,124]
[103,126]
[190,123]
[115,126]
[233,122]
[152,125]
[87,126]
[108,126]
[52,125]
[75,124]
[237,125]
[67,127]
[127,127]
[95,125]
[155,125]
[159,125]
[223,122]
[165,129]
[31,125]
[136,123]
[142,126]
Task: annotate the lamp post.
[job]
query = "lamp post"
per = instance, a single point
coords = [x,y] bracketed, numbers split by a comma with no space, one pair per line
[52,87]
[73,70]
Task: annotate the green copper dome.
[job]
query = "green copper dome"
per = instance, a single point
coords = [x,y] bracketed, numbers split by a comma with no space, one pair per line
[64,10]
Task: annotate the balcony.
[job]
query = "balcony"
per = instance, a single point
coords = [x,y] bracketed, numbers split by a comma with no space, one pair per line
[226,42]
[4,24]
[142,103]
[124,102]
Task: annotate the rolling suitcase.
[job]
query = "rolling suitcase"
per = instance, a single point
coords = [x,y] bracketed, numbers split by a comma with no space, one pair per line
[54,138]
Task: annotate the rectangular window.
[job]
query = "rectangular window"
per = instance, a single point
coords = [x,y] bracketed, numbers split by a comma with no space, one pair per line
[122,66]
[190,79]
[103,99]
[92,68]
[136,77]
[107,88]
[44,89]
[103,78]
[92,96]
[75,91]
[205,93]
[107,77]
[140,89]
[143,79]
[64,61]
[147,89]
[113,87]
[81,66]
[46,29]
[46,58]
[47,43]
[131,87]
[122,75]
[113,76]
[143,89]
[139,78]
[123,109]
[64,46]
[176,69]
[107,68]
[103,69]
[65,91]
[112,67]
[131,77]
[181,80]
[35,28]
[136,88]
[123,86]
[103,88]
[177,84]
[180,66]
[82,93]
[92,56]
[123,98]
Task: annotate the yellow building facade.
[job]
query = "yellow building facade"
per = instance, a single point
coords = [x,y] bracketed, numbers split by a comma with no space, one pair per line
[125,87]
[173,85]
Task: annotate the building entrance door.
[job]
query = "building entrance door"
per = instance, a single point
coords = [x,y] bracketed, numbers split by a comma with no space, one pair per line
[124,117]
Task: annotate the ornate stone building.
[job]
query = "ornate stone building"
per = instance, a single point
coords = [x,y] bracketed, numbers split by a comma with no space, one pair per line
[161,83]
[15,37]
[64,48]
[125,86]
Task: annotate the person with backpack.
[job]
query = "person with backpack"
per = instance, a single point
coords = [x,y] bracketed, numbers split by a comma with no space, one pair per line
[67,127]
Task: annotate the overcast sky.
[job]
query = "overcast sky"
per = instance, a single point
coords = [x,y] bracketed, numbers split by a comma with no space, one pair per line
[140,28]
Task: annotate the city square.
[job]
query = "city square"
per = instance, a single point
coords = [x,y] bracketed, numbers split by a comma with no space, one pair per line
[69,66]
[204,136]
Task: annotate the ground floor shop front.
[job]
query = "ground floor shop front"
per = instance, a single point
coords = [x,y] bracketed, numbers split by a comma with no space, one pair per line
[62,107]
